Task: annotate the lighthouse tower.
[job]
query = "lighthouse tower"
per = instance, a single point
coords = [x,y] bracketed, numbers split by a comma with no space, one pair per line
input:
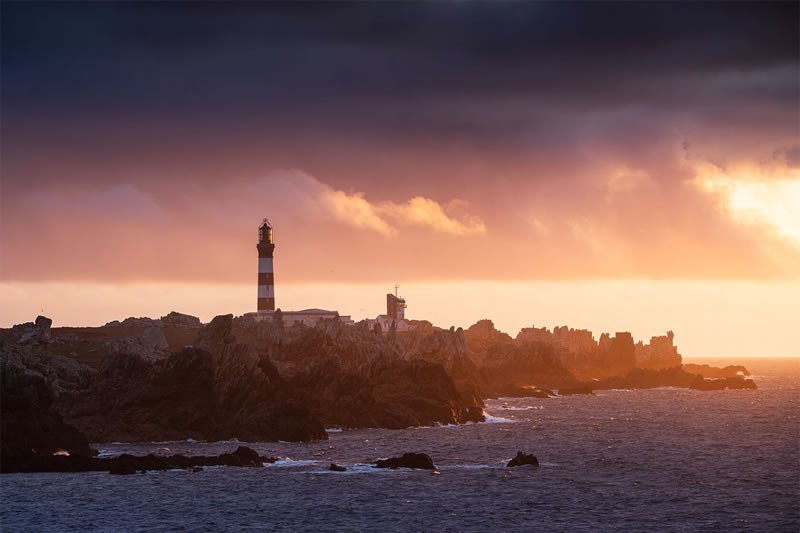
[266,277]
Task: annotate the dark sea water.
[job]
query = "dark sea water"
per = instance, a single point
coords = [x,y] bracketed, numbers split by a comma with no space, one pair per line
[650,460]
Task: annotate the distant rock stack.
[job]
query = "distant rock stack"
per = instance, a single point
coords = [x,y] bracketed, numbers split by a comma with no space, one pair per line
[266,277]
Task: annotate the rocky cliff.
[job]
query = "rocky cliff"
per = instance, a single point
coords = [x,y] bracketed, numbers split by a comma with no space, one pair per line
[31,426]
[354,376]
[215,390]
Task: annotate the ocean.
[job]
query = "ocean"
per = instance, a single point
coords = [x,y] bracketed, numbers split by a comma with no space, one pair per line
[642,460]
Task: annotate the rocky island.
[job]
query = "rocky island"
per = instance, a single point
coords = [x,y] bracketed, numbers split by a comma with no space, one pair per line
[175,378]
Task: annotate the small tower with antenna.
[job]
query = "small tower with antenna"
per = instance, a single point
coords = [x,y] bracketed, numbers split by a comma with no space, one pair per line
[266,276]
[395,306]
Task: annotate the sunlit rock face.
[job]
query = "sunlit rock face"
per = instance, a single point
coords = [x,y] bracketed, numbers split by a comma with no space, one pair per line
[575,350]
[508,364]
[659,353]
[482,336]
[573,340]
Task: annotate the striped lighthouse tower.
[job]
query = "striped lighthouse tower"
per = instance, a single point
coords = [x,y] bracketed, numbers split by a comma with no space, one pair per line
[266,277]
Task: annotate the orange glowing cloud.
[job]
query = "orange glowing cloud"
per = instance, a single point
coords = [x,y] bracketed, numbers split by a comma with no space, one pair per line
[384,217]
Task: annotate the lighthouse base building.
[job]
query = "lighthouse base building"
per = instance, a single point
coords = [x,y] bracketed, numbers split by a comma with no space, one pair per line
[266,288]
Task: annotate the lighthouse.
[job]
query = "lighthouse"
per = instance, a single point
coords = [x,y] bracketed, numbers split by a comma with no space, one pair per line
[266,277]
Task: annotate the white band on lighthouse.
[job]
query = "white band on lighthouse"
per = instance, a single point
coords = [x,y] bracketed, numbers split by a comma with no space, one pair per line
[265,265]
[266,291]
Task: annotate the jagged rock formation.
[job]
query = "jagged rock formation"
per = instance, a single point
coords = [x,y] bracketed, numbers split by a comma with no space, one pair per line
[150,346]
[356,377]
[576,350]
[482,337]
[216,390]
[30,424]
[172,378]
[33,332]
[510,365]
[573,340]
[659,353]
[180,320]
[449,349]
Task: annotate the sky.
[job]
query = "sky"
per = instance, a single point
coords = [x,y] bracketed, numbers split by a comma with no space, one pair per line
[624,166]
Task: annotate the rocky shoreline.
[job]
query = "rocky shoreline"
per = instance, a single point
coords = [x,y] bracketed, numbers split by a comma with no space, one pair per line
[174,378]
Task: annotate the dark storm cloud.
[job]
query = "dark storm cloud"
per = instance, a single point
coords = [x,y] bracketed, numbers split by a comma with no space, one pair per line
[236,57]
[465,75]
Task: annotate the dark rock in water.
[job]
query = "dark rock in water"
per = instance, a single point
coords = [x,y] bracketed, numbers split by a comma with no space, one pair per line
[130,464]
[247,456]
[336,468]
[122,470]
[124,465]
[707,371]
[645,378]
[408,460]
[738,382]
[197,469]
[524,459]
[580,389]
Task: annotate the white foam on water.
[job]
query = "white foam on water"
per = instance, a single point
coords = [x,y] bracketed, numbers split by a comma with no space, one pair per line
[494,419]
[359,468]
[291,462]
[190,441]
[472,467]
[333,430]
[106,453]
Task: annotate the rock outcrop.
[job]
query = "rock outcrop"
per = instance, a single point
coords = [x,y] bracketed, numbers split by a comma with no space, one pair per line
[659,353]
[407,460]
[31,427]
[217,390]
[150,346]
[354,377]
[640,378]
[707,371]
[131,464]
[522,459]
[180,320]
[738,382]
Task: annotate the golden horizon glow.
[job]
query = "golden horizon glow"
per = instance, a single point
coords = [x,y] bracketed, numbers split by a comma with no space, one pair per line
[723,319]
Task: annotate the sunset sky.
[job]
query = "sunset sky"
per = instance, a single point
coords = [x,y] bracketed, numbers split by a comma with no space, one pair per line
[606,166]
